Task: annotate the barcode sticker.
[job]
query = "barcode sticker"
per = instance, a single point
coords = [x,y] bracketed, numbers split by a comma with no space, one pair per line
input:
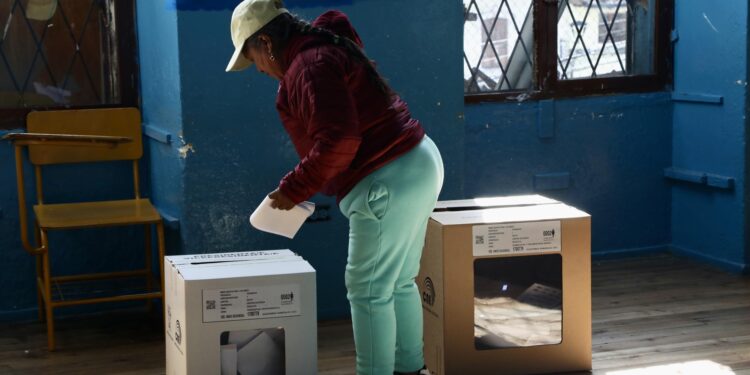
[251,302]
[211,304]
[516,238]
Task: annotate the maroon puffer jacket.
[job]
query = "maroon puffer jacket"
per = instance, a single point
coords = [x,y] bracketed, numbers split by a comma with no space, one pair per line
[342,126]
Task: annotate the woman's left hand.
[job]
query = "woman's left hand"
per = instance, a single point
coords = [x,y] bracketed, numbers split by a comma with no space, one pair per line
[280,201]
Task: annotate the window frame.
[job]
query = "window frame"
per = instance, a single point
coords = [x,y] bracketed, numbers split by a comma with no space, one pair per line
[127,54]
[548,86]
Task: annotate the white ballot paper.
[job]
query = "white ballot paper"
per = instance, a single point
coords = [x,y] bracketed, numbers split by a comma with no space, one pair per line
[229,359]
[283,223]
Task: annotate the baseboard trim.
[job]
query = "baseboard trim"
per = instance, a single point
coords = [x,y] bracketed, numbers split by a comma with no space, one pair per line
[22,315]
[29,314]
[629,252]
[734,267]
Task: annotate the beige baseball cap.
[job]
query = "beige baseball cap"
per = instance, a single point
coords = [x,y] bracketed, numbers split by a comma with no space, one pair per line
[249,17]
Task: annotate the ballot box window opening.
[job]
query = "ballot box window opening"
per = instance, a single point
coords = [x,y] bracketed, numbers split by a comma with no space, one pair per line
[253,351]
[517,301]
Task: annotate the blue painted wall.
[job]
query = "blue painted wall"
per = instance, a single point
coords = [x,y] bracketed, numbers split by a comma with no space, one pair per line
[17,268]
[746,192]
[613,148]
[161,109]
[711,58]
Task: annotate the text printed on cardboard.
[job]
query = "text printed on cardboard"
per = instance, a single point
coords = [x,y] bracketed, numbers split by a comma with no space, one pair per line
[258,302]
[516,238]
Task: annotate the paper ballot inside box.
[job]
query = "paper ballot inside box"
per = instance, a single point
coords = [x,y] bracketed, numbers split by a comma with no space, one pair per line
[283,223]
[253,352]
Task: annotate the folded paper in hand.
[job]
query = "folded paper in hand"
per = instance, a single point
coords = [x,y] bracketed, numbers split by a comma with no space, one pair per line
[283,223]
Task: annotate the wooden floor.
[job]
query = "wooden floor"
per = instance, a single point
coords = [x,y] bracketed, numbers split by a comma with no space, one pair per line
[656,315]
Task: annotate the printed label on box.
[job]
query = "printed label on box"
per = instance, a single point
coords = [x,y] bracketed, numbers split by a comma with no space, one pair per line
[243,303]
[516,238]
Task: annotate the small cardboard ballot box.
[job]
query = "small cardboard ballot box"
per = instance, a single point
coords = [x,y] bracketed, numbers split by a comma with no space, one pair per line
[248,313]
[506,287]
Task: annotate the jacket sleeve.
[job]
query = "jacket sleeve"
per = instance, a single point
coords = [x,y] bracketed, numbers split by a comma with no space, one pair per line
[327,108]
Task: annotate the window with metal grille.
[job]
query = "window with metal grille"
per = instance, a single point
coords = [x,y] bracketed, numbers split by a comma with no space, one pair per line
[519,49]
[65,54]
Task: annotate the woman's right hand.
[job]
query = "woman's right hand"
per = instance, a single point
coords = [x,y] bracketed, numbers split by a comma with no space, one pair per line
[280,201]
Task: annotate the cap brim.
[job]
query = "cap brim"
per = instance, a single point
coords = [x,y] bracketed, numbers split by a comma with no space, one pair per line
[238,61]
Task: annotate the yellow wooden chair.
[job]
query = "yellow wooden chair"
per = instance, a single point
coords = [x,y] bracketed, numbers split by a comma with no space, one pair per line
[77,136]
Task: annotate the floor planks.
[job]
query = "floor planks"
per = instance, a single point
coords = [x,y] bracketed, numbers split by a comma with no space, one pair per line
[657,315]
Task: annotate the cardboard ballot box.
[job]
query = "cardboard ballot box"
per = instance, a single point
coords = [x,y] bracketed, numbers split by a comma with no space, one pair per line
[248,313]
[506,287]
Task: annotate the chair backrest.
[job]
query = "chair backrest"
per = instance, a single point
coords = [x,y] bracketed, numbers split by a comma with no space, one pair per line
[124,122]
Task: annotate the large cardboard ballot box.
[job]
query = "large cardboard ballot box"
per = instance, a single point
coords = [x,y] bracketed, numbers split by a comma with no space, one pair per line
[240,313]
[506,287]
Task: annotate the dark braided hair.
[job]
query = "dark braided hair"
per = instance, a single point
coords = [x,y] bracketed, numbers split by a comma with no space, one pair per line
[283,27]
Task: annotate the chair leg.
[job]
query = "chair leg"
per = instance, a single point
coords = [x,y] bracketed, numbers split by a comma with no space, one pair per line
[39,273]
[48,295]
[149,273]
[39,296]
[160,238]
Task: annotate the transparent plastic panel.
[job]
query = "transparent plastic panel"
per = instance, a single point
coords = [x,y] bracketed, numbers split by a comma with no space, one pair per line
[517,301]
[253,352]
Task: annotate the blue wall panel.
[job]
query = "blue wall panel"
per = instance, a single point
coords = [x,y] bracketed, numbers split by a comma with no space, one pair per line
[99,249]
[711,58]
[17,297]
[161,107]
[611,152]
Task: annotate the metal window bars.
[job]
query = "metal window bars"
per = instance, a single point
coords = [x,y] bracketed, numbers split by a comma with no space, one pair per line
[498,72]
[591,55]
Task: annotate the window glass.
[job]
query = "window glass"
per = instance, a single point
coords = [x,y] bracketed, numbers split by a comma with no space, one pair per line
[58,53]
[600,38]
[498,45]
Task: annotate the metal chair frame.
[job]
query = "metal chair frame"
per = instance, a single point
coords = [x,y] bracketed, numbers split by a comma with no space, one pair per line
[140,211]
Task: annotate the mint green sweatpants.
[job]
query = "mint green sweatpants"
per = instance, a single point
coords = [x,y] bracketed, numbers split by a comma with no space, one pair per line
[388,212]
